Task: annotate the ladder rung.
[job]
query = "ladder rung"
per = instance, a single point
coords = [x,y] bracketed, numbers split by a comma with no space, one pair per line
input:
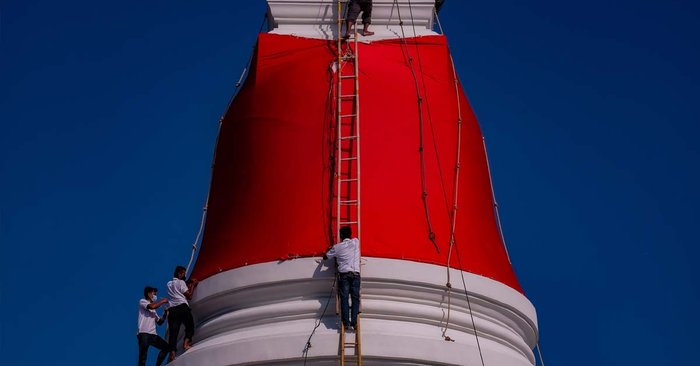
[346,159]
[348,96]
[348,222]
[347,115]
[349,202]
[348,137]
[349,180]
[350,344]
[347,76]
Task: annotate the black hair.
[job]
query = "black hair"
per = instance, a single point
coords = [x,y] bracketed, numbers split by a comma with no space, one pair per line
[147,290]
[178,270]
[345,232]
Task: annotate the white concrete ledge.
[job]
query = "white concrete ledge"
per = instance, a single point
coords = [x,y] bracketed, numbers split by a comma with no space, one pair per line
[263,314]
[318,19]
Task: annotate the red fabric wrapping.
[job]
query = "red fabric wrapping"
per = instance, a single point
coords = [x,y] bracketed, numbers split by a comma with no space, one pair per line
[270,187]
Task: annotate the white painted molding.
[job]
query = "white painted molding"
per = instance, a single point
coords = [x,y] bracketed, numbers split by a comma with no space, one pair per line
[318,19]
[263,314]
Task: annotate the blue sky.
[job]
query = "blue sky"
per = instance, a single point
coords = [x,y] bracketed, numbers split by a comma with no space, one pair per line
[108,115]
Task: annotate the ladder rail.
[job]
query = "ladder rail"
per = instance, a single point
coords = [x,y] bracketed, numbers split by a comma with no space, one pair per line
[339,100]
[348,180]
[357,133]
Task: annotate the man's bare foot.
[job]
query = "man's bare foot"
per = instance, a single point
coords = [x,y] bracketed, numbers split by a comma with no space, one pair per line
[367,33]
[171,358]
[186,345]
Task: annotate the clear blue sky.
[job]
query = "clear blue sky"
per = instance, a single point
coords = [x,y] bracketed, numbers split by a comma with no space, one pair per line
[108,115]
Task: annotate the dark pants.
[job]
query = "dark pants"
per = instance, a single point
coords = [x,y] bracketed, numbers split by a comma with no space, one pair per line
[357,6]
[178,316]
[349,284]
[146,340]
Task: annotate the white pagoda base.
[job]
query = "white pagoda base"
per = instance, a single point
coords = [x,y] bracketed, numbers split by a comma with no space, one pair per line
[263,314]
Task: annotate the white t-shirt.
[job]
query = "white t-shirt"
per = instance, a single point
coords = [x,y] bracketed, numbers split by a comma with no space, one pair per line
[176,292]
[147,318]
[348,254]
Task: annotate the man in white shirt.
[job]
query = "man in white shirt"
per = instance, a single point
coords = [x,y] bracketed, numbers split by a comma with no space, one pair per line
[180,292]
[347,253]
[148,318]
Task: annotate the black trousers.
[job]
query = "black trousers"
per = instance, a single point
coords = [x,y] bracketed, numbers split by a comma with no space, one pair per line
[177,316]
[146,340]
[357,6]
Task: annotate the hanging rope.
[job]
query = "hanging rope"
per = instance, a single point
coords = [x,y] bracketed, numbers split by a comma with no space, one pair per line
[455,192]
[495,203]
[437,19]
[423,179]
[307,346]
[453,213]
[201,228]
[539,351]
[195,244]
[469,306]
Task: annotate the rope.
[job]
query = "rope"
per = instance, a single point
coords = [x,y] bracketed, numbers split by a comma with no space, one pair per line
[205,208]
[201,224]
[495,203]
[469,306]
[539,352]
[423,180]
[307,346]
[437,18]
[455,193]
[453,214]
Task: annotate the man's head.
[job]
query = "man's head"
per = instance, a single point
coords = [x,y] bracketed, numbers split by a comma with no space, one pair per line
[180,272]
[149,293]
[345,232]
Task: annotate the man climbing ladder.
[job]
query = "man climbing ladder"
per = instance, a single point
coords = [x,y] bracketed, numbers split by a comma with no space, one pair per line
[347,253]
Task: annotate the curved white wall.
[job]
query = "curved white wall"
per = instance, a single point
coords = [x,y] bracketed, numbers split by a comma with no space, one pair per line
[318,18]
[263,314]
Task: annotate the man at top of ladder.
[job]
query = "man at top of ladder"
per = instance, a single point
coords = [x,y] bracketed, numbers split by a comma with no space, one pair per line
[347,253]
[354,9]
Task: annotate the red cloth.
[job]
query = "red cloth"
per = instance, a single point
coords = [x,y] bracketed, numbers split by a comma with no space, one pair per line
[270,188]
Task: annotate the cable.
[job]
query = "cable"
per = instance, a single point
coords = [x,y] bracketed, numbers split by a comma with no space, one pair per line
[453,214]
[469,306]
[216,145]
[424,184]
[318,322]
[495,203]
[437,18]
[453,239]
[539,352]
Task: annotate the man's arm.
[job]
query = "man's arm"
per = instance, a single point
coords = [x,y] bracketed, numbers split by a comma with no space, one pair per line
[162,319]
[157,304]
[191,285]
[330,253]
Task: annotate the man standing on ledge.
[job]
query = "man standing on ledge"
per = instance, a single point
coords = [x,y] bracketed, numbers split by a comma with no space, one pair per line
[347,253]
[354,9]
[179,292]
